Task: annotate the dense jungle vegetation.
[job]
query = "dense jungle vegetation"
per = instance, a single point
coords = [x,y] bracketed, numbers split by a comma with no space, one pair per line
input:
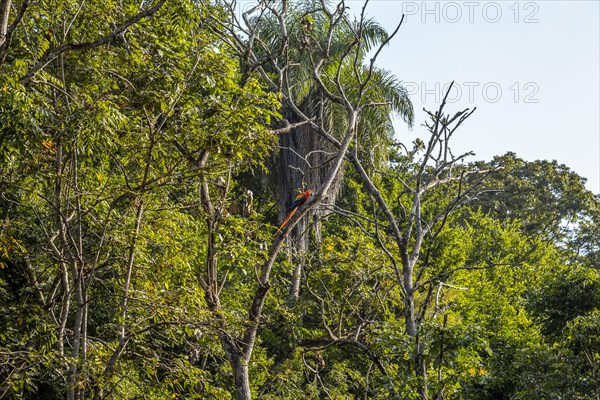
[150,149]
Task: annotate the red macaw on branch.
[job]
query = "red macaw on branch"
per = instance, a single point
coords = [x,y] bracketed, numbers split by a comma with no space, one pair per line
[296,204]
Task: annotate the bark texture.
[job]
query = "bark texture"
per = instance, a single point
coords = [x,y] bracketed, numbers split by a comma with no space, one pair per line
[305,162]
[4,13]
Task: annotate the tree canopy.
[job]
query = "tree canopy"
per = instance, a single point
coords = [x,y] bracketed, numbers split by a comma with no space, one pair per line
[140,144]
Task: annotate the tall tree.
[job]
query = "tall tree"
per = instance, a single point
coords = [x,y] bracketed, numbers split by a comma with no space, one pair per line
[290,41]
[414,218]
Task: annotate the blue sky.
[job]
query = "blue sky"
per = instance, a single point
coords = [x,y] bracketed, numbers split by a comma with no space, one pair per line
[531,69]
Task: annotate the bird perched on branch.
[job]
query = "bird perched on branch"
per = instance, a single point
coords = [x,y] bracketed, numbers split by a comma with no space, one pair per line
[296,204]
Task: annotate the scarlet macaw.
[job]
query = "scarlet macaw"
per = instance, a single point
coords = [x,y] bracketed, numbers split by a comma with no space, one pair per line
[296,204]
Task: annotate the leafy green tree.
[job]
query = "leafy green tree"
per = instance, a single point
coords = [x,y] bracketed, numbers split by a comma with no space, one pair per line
[549,199]
[101,120]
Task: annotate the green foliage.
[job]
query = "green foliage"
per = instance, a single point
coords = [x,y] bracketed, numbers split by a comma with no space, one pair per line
[102,155]
[97,145]
[557,302]
[547,198]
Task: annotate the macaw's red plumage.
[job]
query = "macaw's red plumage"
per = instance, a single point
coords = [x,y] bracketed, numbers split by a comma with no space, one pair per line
[296,204]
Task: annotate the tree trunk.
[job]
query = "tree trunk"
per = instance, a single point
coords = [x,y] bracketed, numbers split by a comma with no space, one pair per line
[241,379]
[299,247]
[72,390]
[421,369]
[304,163]
[4,13]
[409,314]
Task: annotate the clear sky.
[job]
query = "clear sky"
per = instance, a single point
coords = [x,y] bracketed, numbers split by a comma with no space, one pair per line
[531,69]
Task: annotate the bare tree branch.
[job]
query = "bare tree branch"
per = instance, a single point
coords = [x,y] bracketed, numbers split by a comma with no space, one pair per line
[4,14]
